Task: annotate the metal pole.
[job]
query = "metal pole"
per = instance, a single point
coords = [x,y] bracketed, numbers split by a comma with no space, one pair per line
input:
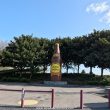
[22,98]
[81,99]
[52,99]
[109,98]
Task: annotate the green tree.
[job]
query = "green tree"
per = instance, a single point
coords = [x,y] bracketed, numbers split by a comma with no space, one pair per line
[66,53]
[44,54]
[91,53]
[97,51]
[77,51]
[21,53]
[104,54]
[0,57]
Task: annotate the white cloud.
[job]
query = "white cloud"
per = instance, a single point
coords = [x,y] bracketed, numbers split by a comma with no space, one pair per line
[106,18]
[98,7]
[102,8]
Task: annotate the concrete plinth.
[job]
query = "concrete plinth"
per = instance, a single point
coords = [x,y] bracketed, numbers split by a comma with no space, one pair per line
[55,83]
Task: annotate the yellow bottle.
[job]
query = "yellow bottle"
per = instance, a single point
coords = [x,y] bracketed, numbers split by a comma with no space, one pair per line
[56,64]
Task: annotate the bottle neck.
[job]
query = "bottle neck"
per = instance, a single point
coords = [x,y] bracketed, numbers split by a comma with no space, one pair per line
[57,49]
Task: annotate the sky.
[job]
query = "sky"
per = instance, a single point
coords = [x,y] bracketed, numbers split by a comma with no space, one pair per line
[52,18]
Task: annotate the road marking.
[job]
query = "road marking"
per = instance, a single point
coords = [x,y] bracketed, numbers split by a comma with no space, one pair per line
[29,102]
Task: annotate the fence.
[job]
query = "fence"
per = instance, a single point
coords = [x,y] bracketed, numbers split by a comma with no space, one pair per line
[23,92]
[82,97]
[81,104]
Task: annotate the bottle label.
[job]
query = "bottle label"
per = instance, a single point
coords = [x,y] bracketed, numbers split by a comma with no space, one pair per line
[55,68]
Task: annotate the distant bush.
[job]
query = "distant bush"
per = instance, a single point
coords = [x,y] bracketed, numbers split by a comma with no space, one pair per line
[76,79]
[24,80]
[14,79]
[10,79]
[83,72]
[93,83]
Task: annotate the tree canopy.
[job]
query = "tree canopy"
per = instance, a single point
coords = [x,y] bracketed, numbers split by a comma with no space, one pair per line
[33,53]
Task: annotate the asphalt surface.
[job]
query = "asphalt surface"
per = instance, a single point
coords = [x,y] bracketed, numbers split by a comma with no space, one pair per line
[65,98]
[34,108]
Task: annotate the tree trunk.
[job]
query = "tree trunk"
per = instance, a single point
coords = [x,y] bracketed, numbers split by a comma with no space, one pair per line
[44,69]
[90,70]
[102,70]
[67,69]
[73,68]
[21,70]
[30,76]
[32,70]
[78,68]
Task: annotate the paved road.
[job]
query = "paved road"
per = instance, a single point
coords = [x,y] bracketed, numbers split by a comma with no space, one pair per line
[17,108]
[64,97]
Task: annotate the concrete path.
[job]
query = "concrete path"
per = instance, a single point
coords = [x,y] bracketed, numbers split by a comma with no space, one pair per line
[64,97]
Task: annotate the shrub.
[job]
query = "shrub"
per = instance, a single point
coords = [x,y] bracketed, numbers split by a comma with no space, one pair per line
[83,72]
[14,79]
[24,80]
[10,79]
